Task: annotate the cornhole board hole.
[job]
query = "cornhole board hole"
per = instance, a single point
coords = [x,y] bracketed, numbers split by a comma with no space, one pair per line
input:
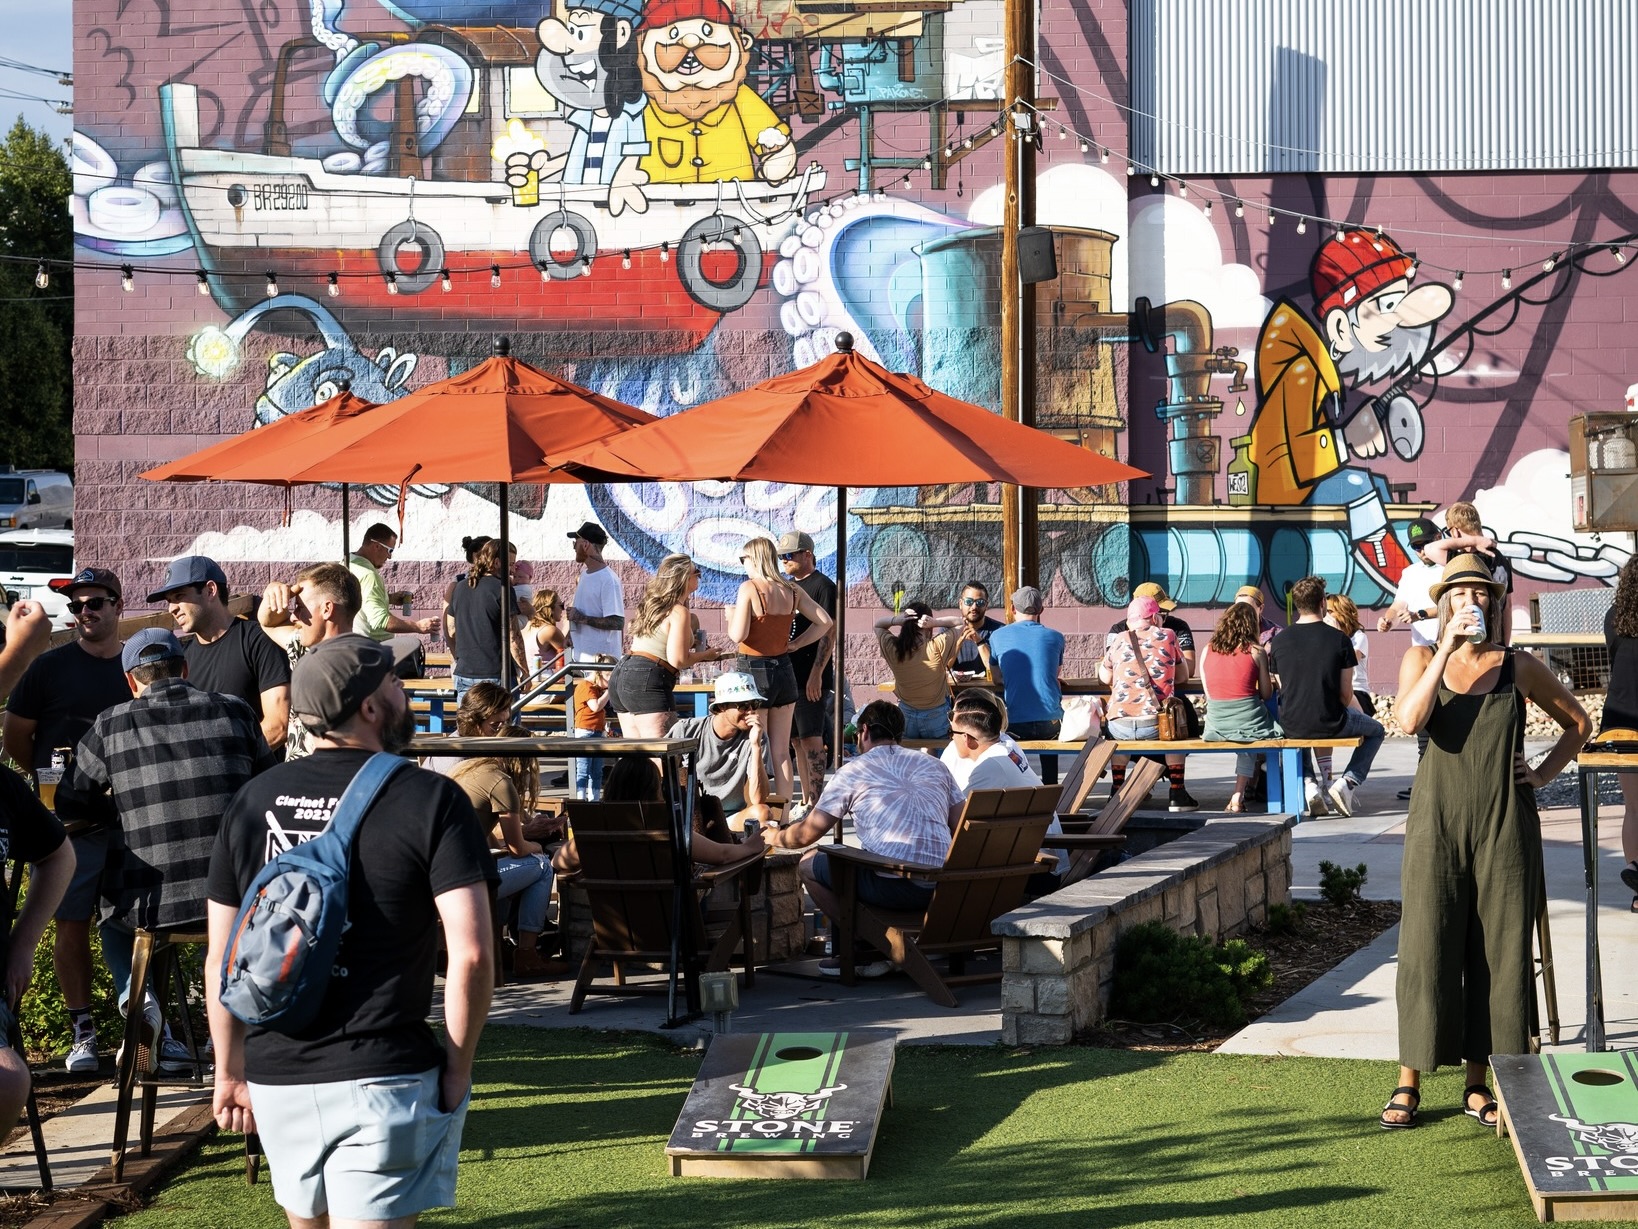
[785,1105]
[1574,1123]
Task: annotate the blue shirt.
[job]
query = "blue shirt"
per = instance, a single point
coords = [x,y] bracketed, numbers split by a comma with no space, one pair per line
[1029,655]
[596,152]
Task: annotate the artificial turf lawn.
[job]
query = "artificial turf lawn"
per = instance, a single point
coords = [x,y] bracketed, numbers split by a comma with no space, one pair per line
[569,1129]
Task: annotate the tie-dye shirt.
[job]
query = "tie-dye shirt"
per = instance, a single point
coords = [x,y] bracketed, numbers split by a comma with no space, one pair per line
[898,801]
[1129,696]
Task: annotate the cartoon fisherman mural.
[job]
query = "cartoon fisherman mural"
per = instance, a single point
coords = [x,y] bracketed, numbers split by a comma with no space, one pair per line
[588,63]
[1372,327]
[705,125]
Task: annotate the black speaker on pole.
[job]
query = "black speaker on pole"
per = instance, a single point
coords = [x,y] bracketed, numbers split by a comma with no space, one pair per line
[1037,257]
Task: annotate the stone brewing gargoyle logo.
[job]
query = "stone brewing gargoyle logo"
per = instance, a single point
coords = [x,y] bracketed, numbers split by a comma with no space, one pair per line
[784,1104]
[1610,1136]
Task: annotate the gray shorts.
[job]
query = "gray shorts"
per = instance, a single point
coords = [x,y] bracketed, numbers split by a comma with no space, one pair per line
[85,889]
[371,1149]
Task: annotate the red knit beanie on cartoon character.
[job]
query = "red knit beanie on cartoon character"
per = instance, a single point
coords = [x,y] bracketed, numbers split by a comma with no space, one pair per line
[1354,267]
[665,12]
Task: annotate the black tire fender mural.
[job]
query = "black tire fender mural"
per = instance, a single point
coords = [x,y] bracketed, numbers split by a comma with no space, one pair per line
[553,259]
[736,291]
[412,235]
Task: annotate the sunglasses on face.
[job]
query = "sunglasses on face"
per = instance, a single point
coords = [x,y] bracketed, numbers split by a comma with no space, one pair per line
[744,706]
[790,558]
[975,601]
[76,605]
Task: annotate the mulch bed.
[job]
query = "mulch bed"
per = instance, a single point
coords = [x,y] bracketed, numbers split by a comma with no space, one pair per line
[1328,935]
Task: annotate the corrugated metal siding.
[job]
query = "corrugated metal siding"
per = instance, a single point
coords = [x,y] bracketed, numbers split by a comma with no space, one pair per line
[1353,86]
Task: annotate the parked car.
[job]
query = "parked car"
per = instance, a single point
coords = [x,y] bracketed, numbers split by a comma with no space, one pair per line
[29,560]
[36,499]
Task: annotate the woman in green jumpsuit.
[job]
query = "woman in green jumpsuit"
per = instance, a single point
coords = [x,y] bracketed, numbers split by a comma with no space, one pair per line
[1472,874]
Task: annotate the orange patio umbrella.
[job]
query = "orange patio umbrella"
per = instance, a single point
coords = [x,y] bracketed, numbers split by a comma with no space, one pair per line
[844,421]
[503,421]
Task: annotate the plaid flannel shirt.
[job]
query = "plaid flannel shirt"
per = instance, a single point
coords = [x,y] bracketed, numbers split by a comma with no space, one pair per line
[172,759]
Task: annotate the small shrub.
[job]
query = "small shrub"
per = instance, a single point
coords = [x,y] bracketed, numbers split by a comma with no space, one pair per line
[1286,919]
[1339,886]
[1162,976]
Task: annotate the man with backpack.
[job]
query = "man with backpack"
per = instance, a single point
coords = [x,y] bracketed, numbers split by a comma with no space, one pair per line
[360,1108]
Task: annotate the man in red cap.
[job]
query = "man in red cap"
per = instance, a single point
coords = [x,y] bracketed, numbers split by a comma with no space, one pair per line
[704,124]
[1372,326]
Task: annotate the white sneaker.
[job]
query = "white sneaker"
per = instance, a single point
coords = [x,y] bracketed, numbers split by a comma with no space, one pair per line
[83,1057]
[1314,798]
[1342,795]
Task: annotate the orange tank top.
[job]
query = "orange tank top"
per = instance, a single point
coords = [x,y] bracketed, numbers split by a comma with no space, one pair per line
[769,633]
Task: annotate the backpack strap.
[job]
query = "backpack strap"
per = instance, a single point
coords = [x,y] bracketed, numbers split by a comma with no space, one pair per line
[361,792]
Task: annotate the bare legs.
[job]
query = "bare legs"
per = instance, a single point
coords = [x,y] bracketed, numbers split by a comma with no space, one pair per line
[647,725]
[779,744]
[1402,1107]
[71,954]
[810,767]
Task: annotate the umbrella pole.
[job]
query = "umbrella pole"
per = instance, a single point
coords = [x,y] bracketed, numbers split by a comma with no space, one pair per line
[346,525]
[837,656]
[506,593]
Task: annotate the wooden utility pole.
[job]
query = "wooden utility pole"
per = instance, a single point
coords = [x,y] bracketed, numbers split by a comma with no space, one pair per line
[1020,532]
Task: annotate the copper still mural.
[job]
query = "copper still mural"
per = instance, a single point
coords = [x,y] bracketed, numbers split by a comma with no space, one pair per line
[668,199]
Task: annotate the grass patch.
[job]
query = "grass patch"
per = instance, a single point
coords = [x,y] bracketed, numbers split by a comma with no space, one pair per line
[569,1128]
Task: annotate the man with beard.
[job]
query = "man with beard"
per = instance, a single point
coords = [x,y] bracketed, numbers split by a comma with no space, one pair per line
[588,62]
[704,124]
[1373,326]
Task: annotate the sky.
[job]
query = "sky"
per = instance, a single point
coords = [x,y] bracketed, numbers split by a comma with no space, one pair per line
[38,32]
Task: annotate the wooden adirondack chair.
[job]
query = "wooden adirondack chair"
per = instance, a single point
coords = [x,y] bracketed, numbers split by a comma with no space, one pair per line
[1083,774]
[994,851]
[627,870]
[1104,832]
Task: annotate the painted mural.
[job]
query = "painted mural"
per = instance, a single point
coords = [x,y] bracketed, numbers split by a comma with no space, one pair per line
[669,199]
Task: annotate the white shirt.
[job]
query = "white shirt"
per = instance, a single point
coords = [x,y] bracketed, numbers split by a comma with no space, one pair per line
[1414,583]
[1361,683]
[962,769]
[598,595]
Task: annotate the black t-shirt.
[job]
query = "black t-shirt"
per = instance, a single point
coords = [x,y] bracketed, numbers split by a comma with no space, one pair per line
[821,590]
[477,615]
[1173,624]
[1621,700]
[1310,659]
[27,831]
[967,659]
[243,661]
[419,840]
[1499,567]
[64,690]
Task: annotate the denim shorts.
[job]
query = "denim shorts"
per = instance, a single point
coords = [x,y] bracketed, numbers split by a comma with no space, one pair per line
[775,678]
[369,1149]
[640,685]
[85,888]
[926,722]
[883,891]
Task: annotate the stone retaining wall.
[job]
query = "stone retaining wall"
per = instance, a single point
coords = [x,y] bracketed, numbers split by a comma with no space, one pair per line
[1058,953]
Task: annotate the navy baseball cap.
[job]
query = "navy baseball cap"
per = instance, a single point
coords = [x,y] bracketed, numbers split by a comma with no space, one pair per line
[87,578]
[190,570]
[151,644]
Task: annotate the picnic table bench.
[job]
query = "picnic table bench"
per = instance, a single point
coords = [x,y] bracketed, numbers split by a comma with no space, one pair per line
[1284,757]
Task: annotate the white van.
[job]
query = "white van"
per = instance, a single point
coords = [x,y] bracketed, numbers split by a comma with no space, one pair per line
[36,499]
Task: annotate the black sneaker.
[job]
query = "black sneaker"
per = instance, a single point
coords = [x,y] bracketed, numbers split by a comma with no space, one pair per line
[1181,801]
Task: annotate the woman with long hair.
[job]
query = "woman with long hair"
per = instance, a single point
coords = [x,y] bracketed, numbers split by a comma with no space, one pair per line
[476,626]
[1472,877]
[503,793]
[1234,669]
[470,546]
[1621,705]
[643,683]
[760,621]
[919,656]
[543,639]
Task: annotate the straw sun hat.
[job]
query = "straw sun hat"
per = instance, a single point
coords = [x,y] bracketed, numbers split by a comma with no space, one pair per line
[1466,570]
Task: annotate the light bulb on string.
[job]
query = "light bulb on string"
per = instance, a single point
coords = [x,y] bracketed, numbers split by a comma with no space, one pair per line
[42,279]
[545,272]
[1103,154]
[1154,180]
[1182,188]
[1341,232]
[625,259]
[1272,218]
[392,283]
[1619,254]
[1507,279]
[585,267]
[1131,169]
[1547,265]
[127,278]
[334,288]
[967,143]
[926,164]
[446,282]
[1239,209]
[1302,226]
[494,277]
[1206,209]
[1086,146]
[1456,282]
[272,286]
[665,251]
[1415,267]
[1063,133]
[204,283]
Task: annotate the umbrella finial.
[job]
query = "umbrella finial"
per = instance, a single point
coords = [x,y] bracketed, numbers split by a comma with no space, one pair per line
[844,343]
[503,346]
[345,384]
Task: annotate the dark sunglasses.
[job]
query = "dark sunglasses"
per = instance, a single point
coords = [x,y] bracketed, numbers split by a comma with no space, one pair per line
[975,601]
[744,706]
[90,603]
[787,558]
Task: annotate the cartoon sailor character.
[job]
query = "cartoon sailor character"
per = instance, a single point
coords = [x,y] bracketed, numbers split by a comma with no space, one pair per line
[1373,327]
[588,62]
[704,124]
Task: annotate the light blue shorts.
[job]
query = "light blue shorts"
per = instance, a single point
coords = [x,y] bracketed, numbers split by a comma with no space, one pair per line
[371,1149]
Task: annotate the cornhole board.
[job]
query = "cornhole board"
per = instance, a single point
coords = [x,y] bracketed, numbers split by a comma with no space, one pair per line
[785,1105]
[1574,1123]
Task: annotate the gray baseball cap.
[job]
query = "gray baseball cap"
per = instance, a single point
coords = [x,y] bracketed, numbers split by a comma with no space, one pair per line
[149,645]
[334,677]
[191,570]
